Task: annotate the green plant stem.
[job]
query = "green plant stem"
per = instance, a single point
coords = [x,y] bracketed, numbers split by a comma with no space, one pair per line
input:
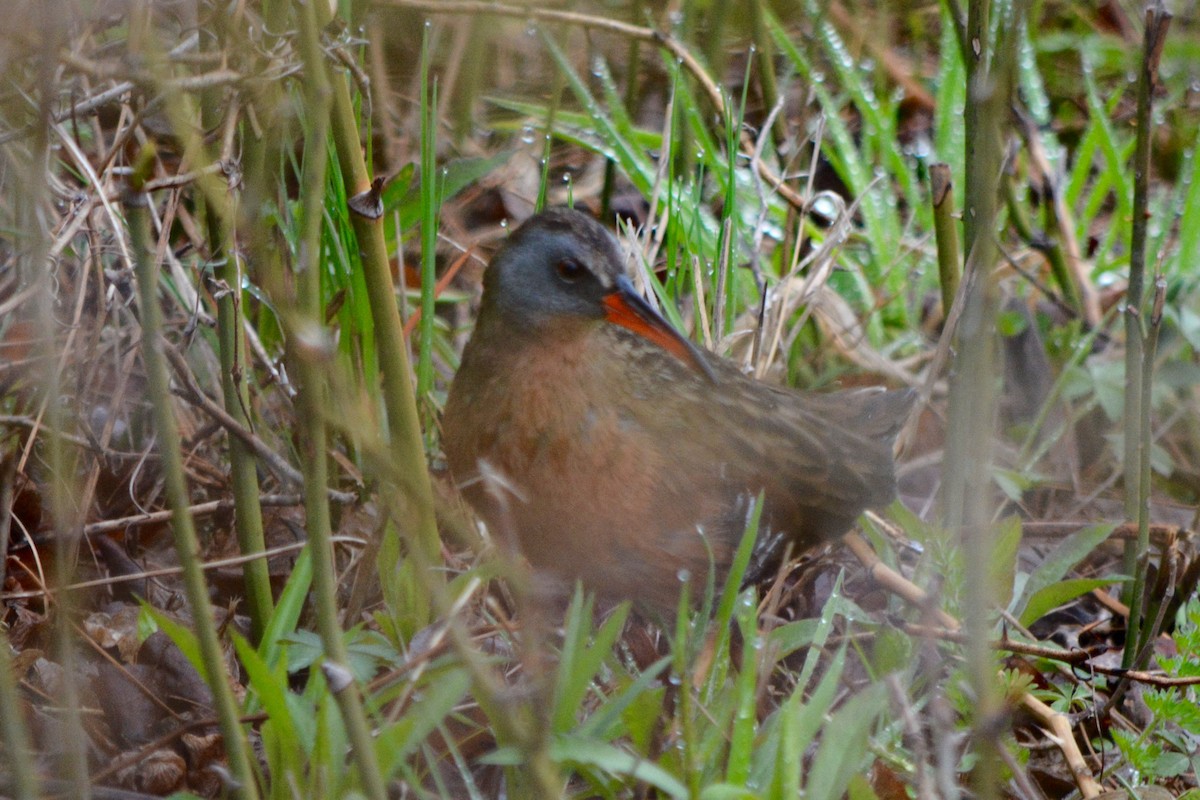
[980,132]
[1053,250]
[681,649]
[945,228]
[403,422]
[213,196]
[231,340]
[548,139]
[513,724]
[1046,245]
[429,224]
[13,734]
[67,528]
[248,521]
[971,426]
[714,36]
[66,524]
[313,404]
[533,735]
[1137,411]
[768,82]
[633,58]
[187,545]
[470,83]
[955,11]
[1138,636]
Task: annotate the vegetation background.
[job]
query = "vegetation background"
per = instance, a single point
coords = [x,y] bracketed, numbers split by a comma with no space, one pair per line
[239,253]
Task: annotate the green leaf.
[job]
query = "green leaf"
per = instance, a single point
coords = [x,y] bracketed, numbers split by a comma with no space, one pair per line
[367,651]
[581,661]
[287,611]
[835,606]
[860,789]
[1108,383]
[744,696]
[615,761]
[600,723]
[726,791]
[183,637]
[737,570]
[1060,561]
[1056,594]
[1189,220]
[1170,765]
[844,744]
[398,188]
[642,714]
[290,731]
[435,700]
[1010,323]
[1004,556]
[791,729]
[304,649]
[1170,705]
[790,637]
[403,194]
[1012,483]
[891,651]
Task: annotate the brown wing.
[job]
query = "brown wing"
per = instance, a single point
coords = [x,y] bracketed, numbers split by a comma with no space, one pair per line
[819,458]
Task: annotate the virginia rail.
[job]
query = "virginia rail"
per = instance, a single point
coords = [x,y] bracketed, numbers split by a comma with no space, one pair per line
[618,453]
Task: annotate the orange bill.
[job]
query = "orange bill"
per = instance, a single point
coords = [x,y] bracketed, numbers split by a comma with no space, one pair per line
[625,307]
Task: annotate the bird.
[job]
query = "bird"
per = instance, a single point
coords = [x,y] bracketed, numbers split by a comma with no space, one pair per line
[615,452]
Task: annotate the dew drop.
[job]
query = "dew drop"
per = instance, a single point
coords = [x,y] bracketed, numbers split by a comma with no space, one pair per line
[825,207]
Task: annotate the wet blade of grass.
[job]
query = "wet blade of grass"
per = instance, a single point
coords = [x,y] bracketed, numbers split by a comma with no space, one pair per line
[1189,216]
[583,652]
[435,702]
[430,204]
[854,165]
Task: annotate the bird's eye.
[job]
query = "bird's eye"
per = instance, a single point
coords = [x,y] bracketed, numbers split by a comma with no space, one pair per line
[569,270]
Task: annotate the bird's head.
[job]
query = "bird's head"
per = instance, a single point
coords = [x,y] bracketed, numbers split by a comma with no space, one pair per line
[562,265]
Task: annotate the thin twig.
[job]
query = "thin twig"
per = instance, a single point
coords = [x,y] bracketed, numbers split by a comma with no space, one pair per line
[198,510]
[232,561]
[275,462]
